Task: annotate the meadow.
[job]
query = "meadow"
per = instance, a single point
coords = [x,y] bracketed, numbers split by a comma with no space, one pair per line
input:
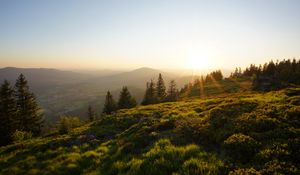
[239,133]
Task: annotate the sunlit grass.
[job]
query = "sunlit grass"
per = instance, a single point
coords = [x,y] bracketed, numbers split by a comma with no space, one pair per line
[237,133]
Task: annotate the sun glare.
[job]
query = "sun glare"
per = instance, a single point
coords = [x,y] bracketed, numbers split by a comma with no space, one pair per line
[198,62]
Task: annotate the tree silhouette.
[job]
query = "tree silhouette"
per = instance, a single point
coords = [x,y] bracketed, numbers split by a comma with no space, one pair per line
[172,94]
[160,89]
[8,113]
[272,76]
[29,114]
[91,114]
[126,100]
[150,94]
[110,105]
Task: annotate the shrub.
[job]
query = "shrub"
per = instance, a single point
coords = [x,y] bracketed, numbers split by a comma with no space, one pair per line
[256,122]
[165,158]
[245,171]
[278,167]
[292,116]
[241,147]
[18,136]
[66,123]
[198,167]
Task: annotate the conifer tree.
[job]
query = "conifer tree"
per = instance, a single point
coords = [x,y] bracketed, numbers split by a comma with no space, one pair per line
[91,114]
[110,105]
[7,113]
[126,100]
[160,88]
[150,94]
[172,92]
[29,115]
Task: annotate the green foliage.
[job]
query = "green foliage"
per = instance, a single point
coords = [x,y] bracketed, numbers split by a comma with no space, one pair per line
[66,123]
[245,171]
[172,94]
[8,113]
[126,101]
[214,76]
[202,88]
[150,96]
[243,133]
[241,147]
[29,113]
[110,105]
[18,110]
[272,76]
[161,89]
[19,136]
[165,158]
[156,93]
[91,114]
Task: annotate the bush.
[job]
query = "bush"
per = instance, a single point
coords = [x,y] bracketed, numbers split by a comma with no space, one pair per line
[241,147]
[245,171]
[66,123]
[18,136]
[198,167]
[165,158]
[255,122]
[292,116]
[278,167]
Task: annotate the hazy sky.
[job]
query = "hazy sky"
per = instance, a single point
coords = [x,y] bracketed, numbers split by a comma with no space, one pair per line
[154,33]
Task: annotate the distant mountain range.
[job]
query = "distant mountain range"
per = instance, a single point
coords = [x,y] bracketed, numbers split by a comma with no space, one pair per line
[69,93]
[42,79]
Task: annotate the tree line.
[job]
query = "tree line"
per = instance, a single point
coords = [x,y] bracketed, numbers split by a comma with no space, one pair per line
[194,88]
[271,76]
[155,93]
[19,111]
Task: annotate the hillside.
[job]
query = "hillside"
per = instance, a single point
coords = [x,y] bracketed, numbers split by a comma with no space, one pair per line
[74,99]
[241,133]
[42,79]
[69,93]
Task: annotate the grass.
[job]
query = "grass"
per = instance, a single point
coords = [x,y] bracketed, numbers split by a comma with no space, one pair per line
[240,133]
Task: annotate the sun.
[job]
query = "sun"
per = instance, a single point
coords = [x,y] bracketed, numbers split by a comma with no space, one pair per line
[198,62]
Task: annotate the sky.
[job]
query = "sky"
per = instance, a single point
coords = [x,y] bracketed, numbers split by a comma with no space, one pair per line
[126,34]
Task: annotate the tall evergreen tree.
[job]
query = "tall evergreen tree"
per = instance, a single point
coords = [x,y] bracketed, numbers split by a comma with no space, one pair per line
[126,100]
[7,113]
[91,114]
[110,105]
[29,113]
[150,94]
[172,92]
[160,88]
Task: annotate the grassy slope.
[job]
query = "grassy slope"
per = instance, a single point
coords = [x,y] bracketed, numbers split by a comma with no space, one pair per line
[238,133]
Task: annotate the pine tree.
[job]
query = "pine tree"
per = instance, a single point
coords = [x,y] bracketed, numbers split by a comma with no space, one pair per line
[172,92]
[150,94]
[126,100]
[195,88]
[91,114]
[161,88]
[29,115]
[110,105]
[7,113]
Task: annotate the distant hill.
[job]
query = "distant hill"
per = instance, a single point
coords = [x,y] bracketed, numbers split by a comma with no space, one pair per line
[43,79]
[69,93]
[98,73]
[73,99]
[137,78]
